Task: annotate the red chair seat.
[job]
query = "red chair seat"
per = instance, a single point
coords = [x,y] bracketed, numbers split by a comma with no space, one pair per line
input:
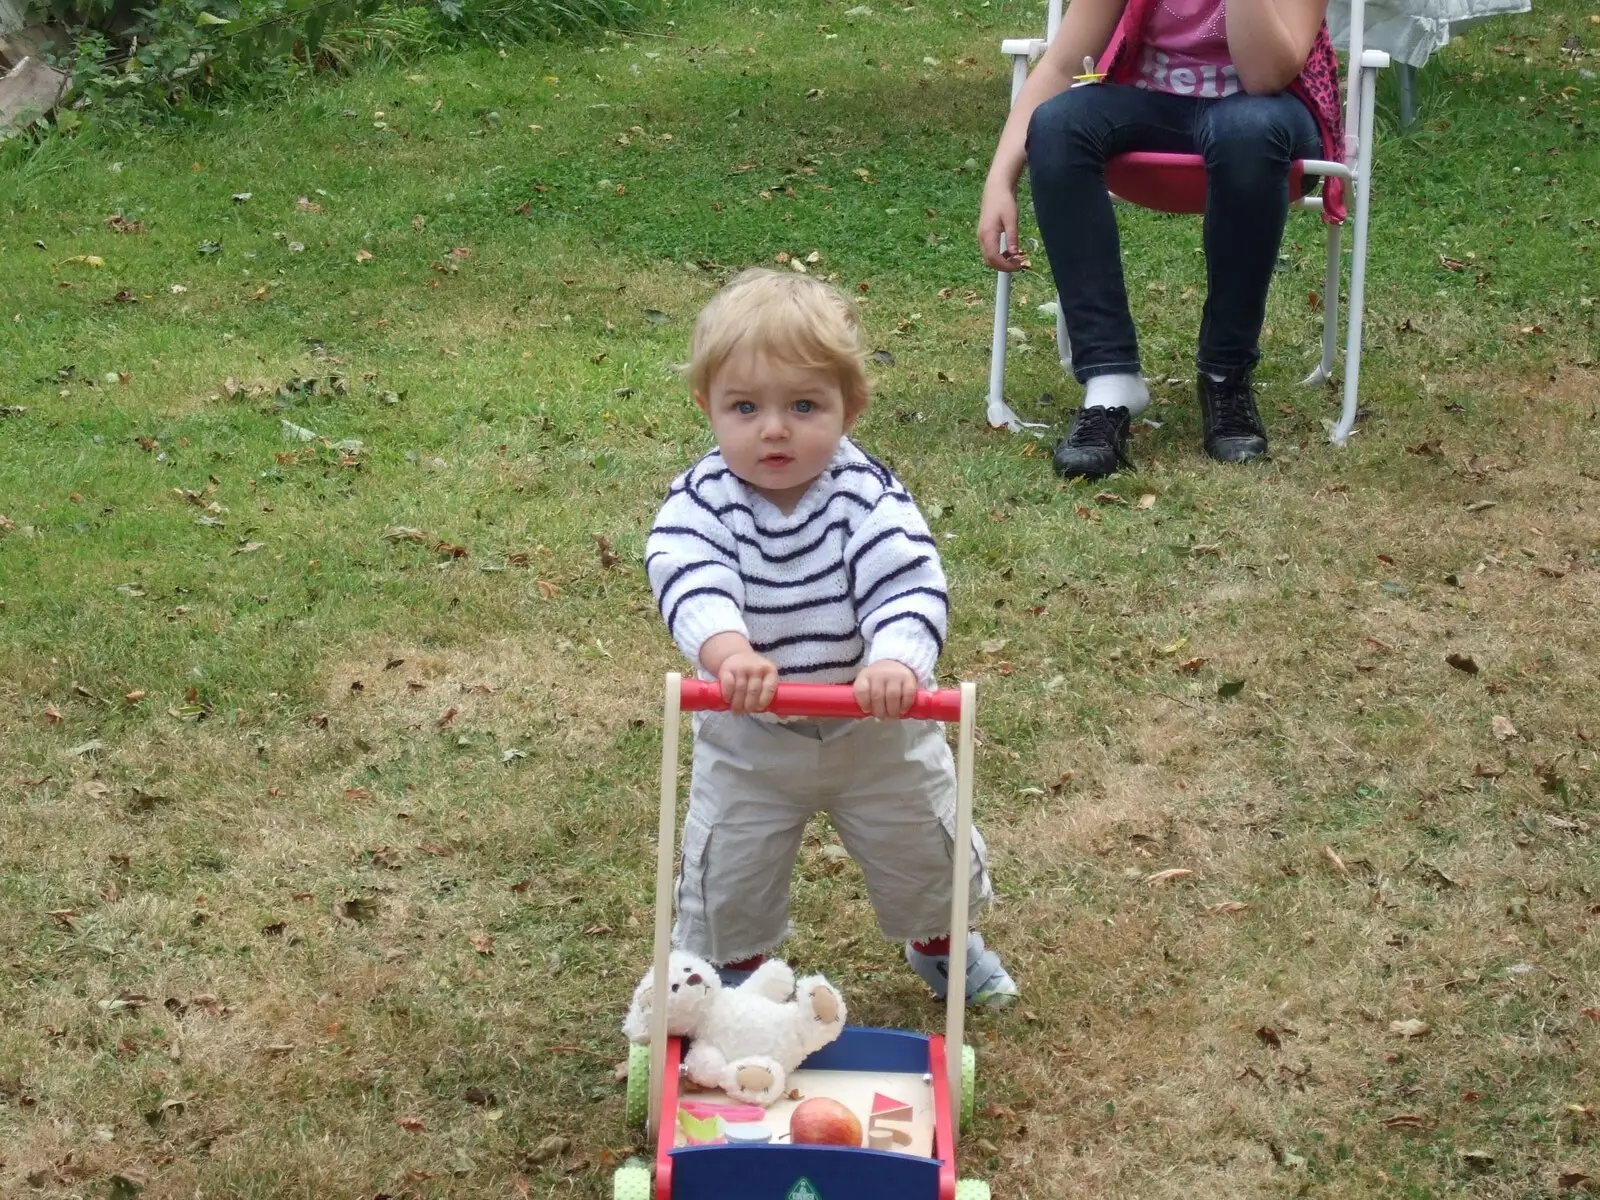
[1174,183]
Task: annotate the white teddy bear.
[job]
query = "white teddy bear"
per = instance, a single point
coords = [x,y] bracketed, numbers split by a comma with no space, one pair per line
[744,1040]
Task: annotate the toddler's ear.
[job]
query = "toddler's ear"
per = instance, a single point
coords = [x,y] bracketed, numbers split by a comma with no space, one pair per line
[701,402]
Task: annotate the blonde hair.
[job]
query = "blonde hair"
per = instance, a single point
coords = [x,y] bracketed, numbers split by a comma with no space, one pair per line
[791,317]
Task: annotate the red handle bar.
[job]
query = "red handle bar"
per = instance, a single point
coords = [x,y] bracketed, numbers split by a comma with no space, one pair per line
[819,700]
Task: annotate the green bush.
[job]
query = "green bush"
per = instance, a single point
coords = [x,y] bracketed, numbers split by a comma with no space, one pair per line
[129,58]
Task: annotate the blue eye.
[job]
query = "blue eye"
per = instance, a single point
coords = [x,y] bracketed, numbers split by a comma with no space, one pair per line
[804,406]
[744,408]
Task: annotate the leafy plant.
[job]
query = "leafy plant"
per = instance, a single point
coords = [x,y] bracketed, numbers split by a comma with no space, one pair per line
[155,56]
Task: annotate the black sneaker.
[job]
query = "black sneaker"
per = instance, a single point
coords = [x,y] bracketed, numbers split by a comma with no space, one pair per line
[1096,445]
[1231,424]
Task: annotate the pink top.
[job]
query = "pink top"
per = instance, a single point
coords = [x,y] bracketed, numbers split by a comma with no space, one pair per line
[1185,50]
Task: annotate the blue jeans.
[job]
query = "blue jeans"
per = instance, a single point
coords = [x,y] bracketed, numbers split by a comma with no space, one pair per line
[1247,143]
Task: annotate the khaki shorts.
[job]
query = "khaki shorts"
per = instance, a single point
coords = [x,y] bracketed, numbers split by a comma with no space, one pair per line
[889,788]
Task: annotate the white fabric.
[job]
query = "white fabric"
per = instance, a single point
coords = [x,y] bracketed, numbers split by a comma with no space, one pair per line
[1117,391]
[1411,30]
[850,577]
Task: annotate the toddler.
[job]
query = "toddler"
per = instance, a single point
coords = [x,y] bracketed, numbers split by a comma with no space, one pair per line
[788,553]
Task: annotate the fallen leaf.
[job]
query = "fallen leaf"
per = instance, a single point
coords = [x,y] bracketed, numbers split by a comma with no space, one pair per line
[1481,505]
[481,1096]
[1410,1028]
[1146,501]
[307,205]
[1408,1121]
[1504,730]
[609,560]
[358,908]
[1571,1181]
[1228,908]
[1268,1036]
[1462,662]
[994,645]
[1167,876]
[448,716]
[52,714]
[1192,665]
[363,256]
[481,942]
[410,1124]
[435,849]
[1229,688]
[1109,498]
[551,1147]
[1172,648]
[1337,863]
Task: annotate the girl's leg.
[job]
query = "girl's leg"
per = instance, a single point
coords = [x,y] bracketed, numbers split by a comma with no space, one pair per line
[1069,140]
[1248,143]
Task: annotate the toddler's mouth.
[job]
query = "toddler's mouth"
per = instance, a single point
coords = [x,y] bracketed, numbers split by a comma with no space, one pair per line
[776,460]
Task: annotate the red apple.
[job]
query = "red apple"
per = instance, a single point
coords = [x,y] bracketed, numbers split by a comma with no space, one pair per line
[821,1121]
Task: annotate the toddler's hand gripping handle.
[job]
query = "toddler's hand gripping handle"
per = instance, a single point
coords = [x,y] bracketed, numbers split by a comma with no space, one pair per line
[820,700]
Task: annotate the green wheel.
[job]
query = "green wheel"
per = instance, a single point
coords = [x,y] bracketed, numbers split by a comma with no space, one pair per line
[638,1104]
[972,1189]
[969,1095]
[632,1182]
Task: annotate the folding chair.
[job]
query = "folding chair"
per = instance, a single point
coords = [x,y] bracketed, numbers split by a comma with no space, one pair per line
[1176,183]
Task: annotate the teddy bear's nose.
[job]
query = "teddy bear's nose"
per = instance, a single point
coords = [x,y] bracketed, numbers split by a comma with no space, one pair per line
[693,979]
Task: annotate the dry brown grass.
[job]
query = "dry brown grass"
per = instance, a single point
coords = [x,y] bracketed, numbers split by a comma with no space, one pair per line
[331,941]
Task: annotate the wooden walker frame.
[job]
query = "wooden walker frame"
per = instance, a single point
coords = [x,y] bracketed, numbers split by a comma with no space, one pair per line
[780,1171]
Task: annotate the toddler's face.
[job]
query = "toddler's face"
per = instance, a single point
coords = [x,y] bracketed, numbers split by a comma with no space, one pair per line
[778,425]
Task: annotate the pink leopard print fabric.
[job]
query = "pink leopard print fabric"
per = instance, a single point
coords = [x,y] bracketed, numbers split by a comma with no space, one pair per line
[1317,88]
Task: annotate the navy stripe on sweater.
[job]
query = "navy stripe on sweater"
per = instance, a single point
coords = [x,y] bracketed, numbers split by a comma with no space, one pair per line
[801,638]
[912,616]
[672,617]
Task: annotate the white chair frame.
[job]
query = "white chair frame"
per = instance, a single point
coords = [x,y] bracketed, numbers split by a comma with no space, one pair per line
[1356,170]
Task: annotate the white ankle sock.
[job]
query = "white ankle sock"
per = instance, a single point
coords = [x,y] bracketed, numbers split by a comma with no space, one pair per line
[1117,391]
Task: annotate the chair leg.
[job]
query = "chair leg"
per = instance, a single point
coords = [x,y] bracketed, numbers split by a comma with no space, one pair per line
[1358,266]
[999,413]
[1330,311]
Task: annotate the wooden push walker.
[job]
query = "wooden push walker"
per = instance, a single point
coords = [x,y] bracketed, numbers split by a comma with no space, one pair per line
[910,1092]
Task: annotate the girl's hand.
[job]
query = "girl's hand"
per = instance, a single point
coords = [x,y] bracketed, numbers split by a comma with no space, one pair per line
[996,219]
[748,681]
[886,689]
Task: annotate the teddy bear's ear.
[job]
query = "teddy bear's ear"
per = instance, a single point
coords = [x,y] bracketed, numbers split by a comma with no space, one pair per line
[636,1025]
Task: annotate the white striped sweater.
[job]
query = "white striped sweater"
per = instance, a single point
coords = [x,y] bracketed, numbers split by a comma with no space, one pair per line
[849,578]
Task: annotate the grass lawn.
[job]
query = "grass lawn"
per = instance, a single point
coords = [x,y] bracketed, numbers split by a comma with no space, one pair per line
[328,734]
